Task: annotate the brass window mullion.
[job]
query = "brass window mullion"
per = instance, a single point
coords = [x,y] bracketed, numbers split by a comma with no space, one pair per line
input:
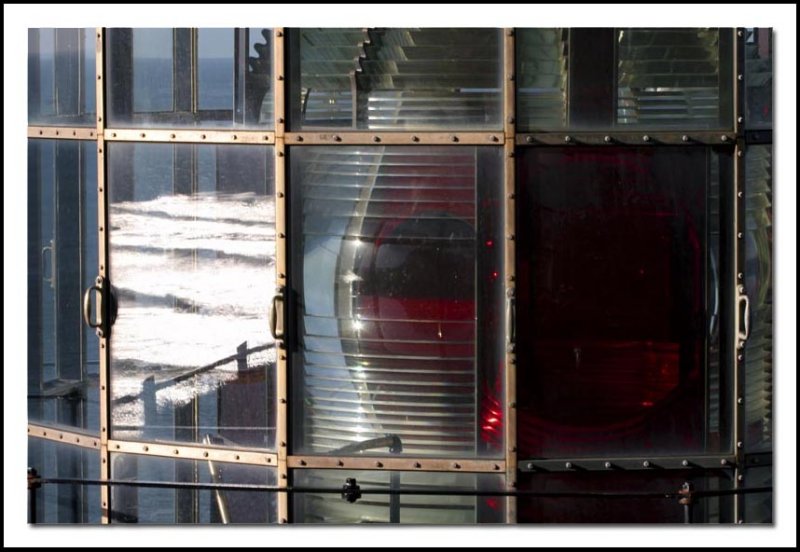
[739,261]
[509,250]
[282,410]
[102,256]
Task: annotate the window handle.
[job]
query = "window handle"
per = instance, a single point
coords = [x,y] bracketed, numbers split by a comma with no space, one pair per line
[511,305]
[50,250]
[106,307]
[743,331]
[277,334]
[87,306]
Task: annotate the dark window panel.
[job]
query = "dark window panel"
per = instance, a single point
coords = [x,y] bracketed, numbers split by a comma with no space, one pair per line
[65,503]
[622,510]
[758,507]
[63,353]
[618,307]
[758,286]
[758,78]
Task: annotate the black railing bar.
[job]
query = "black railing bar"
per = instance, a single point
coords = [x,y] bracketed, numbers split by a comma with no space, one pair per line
[426,492]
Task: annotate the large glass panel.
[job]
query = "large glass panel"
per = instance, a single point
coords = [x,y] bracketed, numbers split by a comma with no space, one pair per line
[397,266]
[61,81]
[192,249]
[657,509]
[758,78]
[186,505]
[404,508]
[65,503]
[63,353]
[395,78]
[597,78]
[189,77]
[619,302]
[758,286]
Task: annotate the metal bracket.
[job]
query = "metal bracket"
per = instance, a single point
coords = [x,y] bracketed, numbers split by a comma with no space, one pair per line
[350,490]
[686,500]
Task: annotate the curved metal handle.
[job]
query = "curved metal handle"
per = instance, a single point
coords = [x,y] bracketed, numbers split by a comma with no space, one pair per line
[273,316]
[741,334]
[50,249]
[87,306]
[511,331]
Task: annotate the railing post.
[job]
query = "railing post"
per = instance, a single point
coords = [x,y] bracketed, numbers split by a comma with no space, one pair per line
[33,484]
[687,501]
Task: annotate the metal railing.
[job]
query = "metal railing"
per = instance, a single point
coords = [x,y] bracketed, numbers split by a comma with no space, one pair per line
[351,491]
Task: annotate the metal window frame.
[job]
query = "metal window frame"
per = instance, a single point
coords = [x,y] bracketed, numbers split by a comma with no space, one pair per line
[509,140]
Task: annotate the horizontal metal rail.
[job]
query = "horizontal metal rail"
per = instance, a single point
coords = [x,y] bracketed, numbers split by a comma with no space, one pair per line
[409,492]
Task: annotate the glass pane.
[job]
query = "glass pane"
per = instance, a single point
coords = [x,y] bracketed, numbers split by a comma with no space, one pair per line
[63,353]
[673,78]
[192,249]
[190,77]
[758,78]
[543,73]
[61,77]
[758,506]
[596,78]
[407,509]
[622,510]
[397,265]
[396,78]
[758,286]
[190,506]
[618,308]
[65,503]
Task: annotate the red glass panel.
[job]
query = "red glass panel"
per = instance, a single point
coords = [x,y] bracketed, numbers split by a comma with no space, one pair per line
[615,275]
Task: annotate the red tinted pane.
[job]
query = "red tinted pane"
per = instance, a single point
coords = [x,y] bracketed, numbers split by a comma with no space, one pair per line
[616,263]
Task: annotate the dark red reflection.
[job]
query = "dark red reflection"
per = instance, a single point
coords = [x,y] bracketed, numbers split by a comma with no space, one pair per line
[414,299]
[611,303]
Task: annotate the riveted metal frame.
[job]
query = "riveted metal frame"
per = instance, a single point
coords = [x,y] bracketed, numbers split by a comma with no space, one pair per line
[102,271]
[102,257]
[509,140]
[62,133]
[394,463]
[394,138]
[66,436]
[509,269]
[739,257]
[282,432]
[189,136]
[627,138]
[195,452]
[690,462]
